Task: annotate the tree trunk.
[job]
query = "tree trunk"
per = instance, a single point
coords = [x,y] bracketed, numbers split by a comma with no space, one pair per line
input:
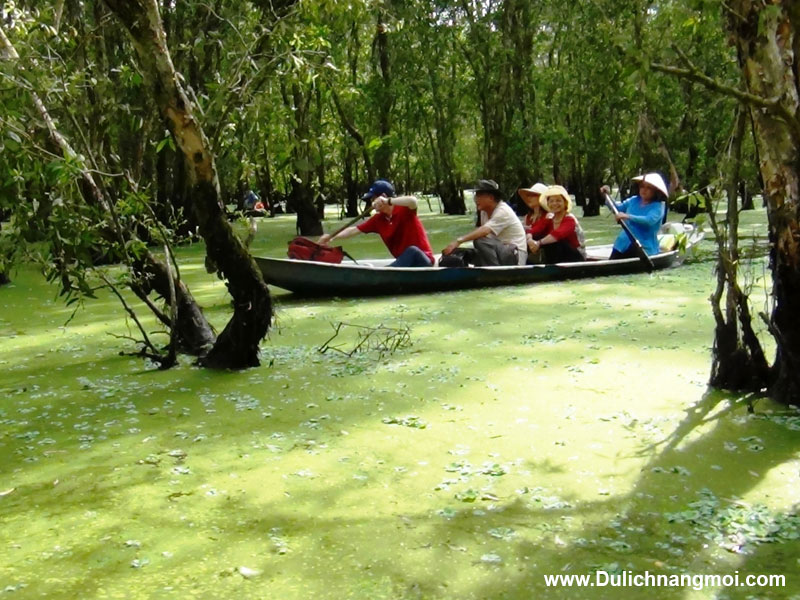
[383,155]
[499,56]
[649,131]
[746,196]
[192,330]
[237,345]
[452,197]
[766,36]
[3,276]
[350,183]
[265,179]
[556,160]
[437,176]
[301,195]
[442,144]
[322,187]
[594,200]
[738,361]
[350,128]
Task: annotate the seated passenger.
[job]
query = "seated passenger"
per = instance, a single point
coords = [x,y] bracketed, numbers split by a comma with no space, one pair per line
[643,213]
[397,223]
[250,199]
[530,196]
[559,235]
[498,240]
[253,206]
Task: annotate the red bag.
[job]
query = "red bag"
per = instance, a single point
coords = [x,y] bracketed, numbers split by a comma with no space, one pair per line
[301,248]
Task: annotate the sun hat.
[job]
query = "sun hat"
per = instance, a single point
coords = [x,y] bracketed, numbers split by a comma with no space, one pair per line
[488,186]
[655,180]
[537,189]
[555,190]
[379,187]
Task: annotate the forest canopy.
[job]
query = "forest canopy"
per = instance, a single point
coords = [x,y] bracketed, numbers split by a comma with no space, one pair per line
[310,101]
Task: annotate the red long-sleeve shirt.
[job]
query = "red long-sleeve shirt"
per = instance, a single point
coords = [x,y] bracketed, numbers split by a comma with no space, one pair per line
[567,229]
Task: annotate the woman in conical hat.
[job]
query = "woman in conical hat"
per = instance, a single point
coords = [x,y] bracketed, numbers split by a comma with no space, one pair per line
[643,213]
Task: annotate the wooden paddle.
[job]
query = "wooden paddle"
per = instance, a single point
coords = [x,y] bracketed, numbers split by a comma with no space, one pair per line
[349,223]
[302,248]
[637,245]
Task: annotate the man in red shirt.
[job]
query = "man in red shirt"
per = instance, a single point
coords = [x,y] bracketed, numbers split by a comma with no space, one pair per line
[397,223]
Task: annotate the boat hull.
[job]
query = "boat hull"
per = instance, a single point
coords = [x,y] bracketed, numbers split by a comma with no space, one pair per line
[364,279]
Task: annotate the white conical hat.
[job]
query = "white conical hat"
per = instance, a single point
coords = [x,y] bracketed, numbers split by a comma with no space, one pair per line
[655,180]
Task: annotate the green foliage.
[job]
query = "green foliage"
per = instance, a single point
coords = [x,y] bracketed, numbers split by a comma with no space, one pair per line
[471,94]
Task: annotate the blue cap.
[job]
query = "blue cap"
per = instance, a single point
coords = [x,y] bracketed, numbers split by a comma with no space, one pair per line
[380,187]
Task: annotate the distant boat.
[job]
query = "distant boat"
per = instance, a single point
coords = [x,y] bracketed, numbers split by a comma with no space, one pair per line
[376,278]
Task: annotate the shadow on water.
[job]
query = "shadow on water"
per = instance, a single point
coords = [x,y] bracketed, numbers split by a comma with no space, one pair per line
[628,532]
[702,459]
[570,536]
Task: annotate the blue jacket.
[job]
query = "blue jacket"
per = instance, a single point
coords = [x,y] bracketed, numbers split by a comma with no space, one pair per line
[644,222]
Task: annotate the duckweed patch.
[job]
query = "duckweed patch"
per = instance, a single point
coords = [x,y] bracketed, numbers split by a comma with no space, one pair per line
[555,428]
[734,525]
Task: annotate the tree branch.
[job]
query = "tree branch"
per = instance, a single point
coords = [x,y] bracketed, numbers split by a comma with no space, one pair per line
[697,76]
[693,73]
[146,340]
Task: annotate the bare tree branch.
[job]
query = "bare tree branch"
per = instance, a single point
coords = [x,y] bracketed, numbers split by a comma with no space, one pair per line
[691,72]
[146,340]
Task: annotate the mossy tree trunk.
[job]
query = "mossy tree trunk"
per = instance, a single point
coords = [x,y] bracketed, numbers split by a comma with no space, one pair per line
[443,142]
[237,345]
[767,40]
[767,37]
[297,97]
[349,126]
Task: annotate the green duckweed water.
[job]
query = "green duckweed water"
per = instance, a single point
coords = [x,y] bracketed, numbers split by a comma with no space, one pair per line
[557,428]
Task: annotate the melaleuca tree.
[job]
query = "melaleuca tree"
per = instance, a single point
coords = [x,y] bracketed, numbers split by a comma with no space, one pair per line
[67,214]
[766,40]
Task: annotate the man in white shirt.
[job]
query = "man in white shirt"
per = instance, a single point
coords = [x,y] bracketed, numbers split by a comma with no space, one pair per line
[500,238]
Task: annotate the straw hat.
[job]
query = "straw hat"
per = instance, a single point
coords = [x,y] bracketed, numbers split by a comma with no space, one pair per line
[536,189]
[655,180]
[555,190]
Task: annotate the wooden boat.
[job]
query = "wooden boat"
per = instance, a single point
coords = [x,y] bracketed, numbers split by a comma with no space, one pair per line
[375,277]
